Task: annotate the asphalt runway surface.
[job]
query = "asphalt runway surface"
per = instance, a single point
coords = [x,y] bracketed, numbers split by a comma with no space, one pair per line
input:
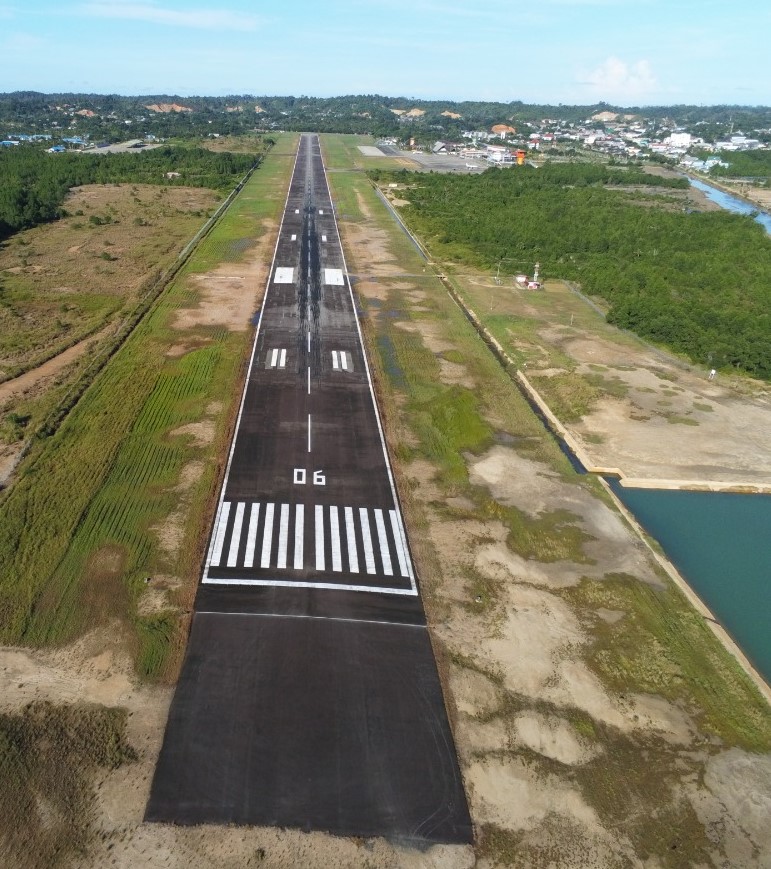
[309,695]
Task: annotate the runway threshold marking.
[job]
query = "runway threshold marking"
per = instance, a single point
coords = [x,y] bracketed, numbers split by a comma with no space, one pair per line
[251,538]
[299,535]
[346,530]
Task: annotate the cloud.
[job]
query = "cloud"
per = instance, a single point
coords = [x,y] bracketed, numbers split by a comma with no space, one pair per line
[616,79]
[21,43]
[202,19]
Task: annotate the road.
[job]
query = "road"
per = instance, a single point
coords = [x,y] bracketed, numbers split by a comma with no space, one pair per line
[309,696]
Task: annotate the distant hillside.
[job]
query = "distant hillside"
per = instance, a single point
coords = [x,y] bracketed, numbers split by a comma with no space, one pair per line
[111,116]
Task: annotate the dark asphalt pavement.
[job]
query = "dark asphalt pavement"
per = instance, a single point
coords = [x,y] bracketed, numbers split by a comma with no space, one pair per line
[309,696]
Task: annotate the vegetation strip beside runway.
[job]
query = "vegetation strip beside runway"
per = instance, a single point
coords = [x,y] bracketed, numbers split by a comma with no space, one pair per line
[80,529]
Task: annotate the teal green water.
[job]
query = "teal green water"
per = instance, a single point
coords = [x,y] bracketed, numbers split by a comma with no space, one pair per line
[721,544]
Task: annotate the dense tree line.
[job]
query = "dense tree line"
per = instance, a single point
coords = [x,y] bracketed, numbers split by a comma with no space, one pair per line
[33,183]
[744,164]
[697,282]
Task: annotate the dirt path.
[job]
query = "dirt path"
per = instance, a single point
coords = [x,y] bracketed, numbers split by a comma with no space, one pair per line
[37,376]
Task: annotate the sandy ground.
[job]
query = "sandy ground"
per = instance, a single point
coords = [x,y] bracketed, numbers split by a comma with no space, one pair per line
[674,423]
[656,419]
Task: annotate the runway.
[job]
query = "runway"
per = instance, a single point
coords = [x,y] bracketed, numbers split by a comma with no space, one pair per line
[309,696]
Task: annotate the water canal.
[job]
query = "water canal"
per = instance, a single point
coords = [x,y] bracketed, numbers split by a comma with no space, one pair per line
[732,203]
[720,543]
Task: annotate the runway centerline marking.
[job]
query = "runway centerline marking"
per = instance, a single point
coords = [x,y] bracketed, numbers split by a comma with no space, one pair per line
[309,432]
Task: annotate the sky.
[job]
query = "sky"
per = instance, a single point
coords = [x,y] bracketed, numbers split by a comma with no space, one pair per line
[624,52]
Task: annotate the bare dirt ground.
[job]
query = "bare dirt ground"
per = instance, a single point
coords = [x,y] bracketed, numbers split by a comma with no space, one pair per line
[661,420]
[38,376]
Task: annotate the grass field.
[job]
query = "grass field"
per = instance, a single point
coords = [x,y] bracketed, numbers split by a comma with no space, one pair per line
[77,533]
[61,282]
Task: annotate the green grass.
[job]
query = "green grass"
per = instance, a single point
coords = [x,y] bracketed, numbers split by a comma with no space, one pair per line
[663,646]
[570,395]
[77,530]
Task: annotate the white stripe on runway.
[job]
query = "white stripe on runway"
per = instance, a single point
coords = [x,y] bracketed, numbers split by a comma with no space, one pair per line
[334,277]
[282,359]
[267,536]
[319,537]
[219,538]
[299,533]
[369,555]
[273,358]
[284,275]
[283,536]
[235,540]
[309,380]
[383,538]
[309,432]
[323,238]
[400,553]
[335,363]
[334,524]
[251,536]
[353,556]
[297,211]
[344,360]
[294,238]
